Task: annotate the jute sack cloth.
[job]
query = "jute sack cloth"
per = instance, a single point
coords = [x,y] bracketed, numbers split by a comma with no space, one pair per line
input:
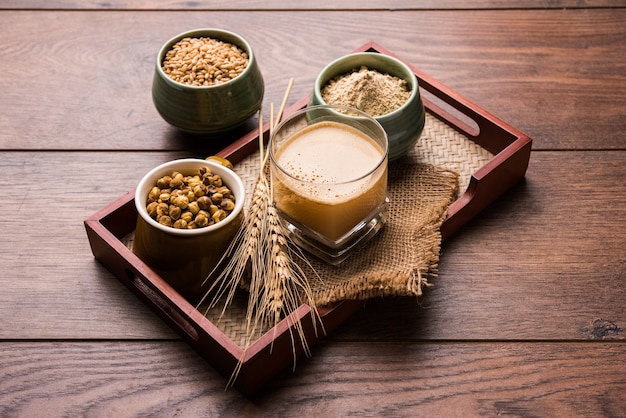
[404,254]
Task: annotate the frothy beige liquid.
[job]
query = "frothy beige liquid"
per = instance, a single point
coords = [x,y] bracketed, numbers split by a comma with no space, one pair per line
[333,186]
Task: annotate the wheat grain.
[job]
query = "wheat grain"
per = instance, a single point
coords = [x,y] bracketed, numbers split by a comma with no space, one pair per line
[204,61]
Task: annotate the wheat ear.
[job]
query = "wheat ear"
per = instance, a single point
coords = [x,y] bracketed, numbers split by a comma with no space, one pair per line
[277,284]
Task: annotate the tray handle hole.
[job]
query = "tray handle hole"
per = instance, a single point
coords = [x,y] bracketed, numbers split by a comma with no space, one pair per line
[160,304]
[462,121]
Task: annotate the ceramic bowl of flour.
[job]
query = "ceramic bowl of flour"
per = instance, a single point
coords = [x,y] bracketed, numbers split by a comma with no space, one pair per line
[380,85]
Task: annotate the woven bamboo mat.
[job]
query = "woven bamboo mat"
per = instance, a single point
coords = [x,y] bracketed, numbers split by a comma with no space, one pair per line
[439,145]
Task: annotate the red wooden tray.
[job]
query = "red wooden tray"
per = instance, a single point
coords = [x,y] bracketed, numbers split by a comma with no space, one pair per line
[272,352]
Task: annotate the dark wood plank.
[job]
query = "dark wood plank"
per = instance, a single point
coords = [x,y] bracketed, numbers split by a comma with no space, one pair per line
[341,379]
[557,75]
[47,263]
[291,5]
[527,316]
[545,262]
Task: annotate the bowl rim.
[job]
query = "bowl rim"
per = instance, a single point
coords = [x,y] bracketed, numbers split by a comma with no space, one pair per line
[412,78]
[229,177]
[214,33]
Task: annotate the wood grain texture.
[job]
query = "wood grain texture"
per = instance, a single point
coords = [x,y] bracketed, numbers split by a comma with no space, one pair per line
[341,379]
[318,5]
[544,263]
[527,316]
[550,252]
[557,75]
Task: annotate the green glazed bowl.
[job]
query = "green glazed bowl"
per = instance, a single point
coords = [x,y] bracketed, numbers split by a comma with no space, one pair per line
[185,257]
[208,109]
[405,124]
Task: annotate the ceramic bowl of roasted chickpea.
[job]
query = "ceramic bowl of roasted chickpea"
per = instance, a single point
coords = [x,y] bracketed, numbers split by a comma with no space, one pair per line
[207,81]
[189,211]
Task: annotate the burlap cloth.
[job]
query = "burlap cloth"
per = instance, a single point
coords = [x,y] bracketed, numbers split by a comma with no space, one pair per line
[405,252]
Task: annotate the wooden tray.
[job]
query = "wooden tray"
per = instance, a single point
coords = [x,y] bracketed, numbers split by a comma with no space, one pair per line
[509,153]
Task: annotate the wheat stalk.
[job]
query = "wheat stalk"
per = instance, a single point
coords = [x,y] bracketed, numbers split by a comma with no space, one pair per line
[262,253]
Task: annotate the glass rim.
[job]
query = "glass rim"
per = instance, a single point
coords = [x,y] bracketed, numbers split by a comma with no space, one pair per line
[334,108]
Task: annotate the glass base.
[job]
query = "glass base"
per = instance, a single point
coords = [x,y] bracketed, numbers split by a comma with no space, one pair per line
[335,251]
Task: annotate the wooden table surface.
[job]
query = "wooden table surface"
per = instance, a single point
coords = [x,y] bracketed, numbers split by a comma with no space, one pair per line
[527,316]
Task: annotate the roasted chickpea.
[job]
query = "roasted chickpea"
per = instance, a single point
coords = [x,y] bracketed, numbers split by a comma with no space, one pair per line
[189,202]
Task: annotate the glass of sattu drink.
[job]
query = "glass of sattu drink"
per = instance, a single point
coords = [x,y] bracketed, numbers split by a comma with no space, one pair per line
[328,167]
